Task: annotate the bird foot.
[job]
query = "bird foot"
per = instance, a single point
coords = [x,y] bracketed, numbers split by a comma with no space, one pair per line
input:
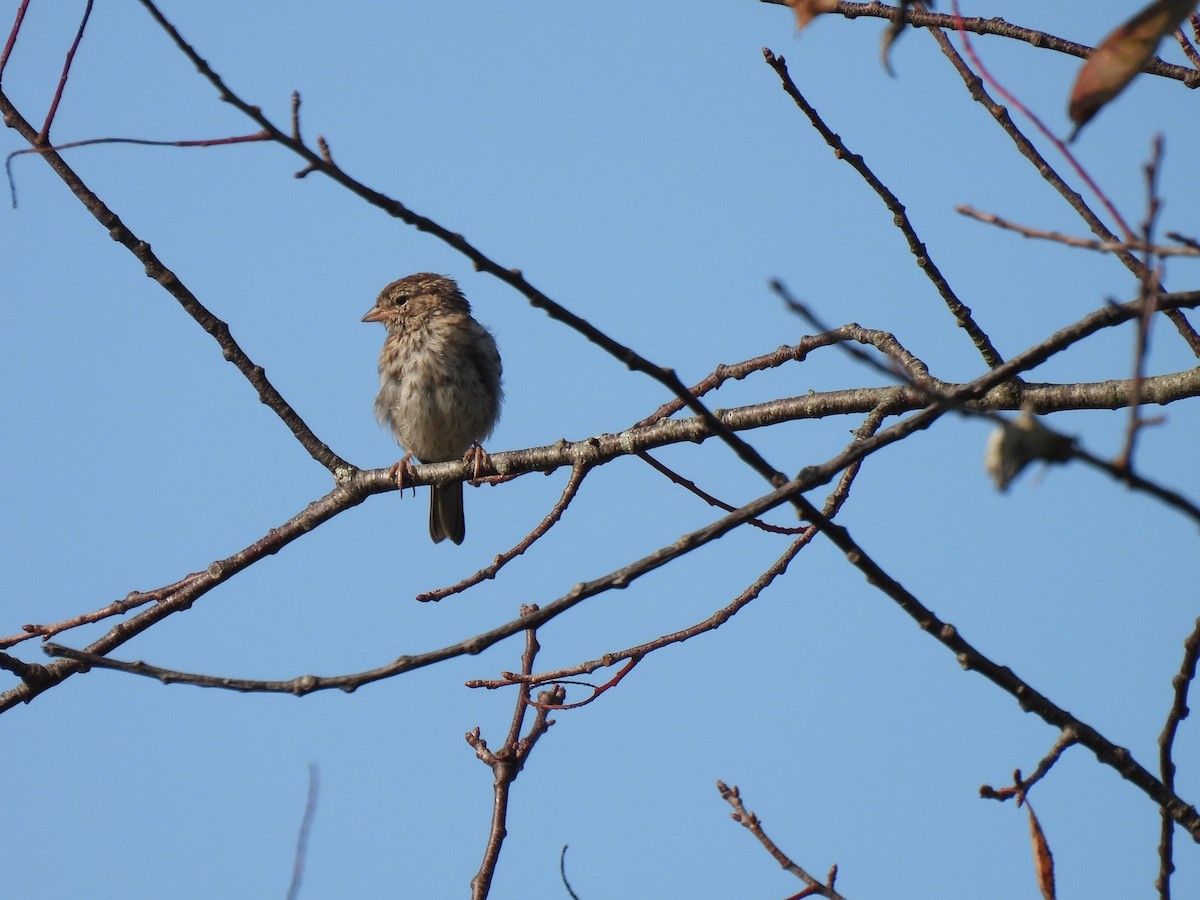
[404,474]
[479,458]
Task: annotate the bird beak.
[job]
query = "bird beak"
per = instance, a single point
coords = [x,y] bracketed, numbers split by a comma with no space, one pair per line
[374,314]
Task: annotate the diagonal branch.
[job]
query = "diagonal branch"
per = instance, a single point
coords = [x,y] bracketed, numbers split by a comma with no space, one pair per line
[1108,753]
[921,18]
[513,277]
[155,269]
[748,820]
[1025,147]
[960,311]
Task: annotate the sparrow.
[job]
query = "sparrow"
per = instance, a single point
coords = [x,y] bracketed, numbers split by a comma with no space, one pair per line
[439,383]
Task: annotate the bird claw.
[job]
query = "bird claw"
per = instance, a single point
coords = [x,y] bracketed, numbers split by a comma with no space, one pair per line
[479,458]
[404,474]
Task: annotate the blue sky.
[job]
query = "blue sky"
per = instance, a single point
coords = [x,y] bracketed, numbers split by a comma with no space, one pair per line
[641,165]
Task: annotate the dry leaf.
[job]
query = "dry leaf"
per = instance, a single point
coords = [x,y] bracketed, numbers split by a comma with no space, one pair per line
[893,32]
[1115,62]
[805,10]
[1017,443]
[1043,861]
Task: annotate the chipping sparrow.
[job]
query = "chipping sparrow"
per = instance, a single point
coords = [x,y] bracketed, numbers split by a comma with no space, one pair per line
[439,383]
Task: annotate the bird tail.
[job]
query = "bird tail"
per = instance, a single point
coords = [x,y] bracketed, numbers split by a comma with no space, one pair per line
[446,513]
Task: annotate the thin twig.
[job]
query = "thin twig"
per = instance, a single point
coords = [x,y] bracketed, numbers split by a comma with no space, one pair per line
[747,819]
[962,315]
[1166,742]
[578,473]
[1021,786]
[44,135]
[507,762]
[997,27]
[883,341]
[1189,49]
[833,504]
[513,277]
[1151,287]
[1059,144]
[1109,754]
[562,871]
[364,483]
[118,607]
[999,113]
[12,36]
[1068,240]
[691,486]
[310,811]
[156,269]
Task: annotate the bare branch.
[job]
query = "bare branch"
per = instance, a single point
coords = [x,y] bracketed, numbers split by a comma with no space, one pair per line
[155,269]
[922,18]
[1108,753]
[1068,240]
[12,36]
[962,315]
[513,277]
[1151,287]
[1000,114]
[1021,786]
[578,473]
[747,819]
[507,762]
[44,135]
[1166,742]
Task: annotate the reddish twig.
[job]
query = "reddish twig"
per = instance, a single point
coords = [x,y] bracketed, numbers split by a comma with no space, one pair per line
[1026,148]
[904,365]
[1021,786]
[1189,248]
[1189,49]
[70,145]
[12,37]
[1059,144]
[44,135]
[882,340]
[596,689]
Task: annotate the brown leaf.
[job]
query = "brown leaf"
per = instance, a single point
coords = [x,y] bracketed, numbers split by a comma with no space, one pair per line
[806,10]
[893,32]
[1122,55]
[1043,862]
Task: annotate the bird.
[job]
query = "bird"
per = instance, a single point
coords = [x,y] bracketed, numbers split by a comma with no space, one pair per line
[439,384]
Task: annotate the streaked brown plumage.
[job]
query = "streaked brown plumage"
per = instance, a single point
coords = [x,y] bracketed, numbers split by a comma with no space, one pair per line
[439,382]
